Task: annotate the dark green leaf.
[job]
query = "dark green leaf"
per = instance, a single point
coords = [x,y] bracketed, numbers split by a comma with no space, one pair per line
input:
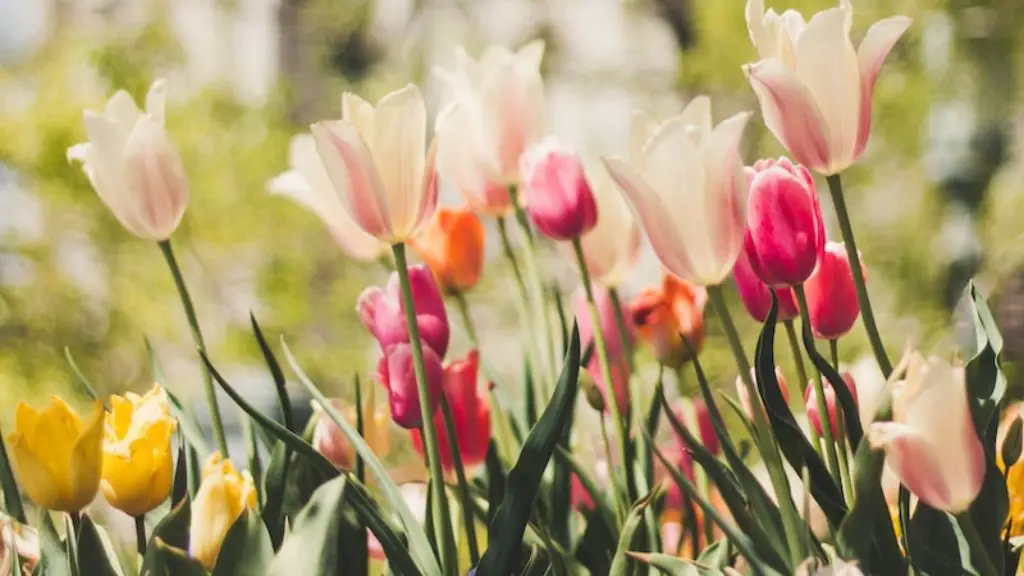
[529,394]
[187,423]
[92,554]
[172,530]
[283,401]
[12,496]
[495,481]
[171,561]
[246,549]
[851,417]
[273,490]
[667,564]
[620,562]
[71,544]
[718,555]
[392,541]
[179,488]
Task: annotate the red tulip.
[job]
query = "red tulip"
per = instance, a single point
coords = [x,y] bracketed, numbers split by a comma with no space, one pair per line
[396,372]
[756,295]
[831,295]
[556,193]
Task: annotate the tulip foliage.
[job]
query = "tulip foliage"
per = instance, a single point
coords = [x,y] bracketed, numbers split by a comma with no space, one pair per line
[817,471]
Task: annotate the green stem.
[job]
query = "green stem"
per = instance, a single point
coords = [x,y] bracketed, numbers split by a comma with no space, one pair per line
[467,319]
[835,187]
[522,306]
[798,356]
[542,316]
[462,483]
[619,512]
[605,364]
[441,519]
[765,439]
[197,337]
[620,325]
[976,545]
[833,352]
[844,454]
[510,255]
[140,534]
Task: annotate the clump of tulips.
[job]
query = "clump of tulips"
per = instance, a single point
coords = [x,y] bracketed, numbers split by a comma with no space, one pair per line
[820,471]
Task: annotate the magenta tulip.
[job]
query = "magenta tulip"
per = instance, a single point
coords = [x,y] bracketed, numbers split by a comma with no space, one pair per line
[756,295]
[831,295]
[382,313]
[396,372]
[556,193]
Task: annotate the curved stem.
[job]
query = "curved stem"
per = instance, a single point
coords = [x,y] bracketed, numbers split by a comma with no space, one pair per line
[467,319]
[835,187]
[441,519]
[975,544]
[620,325]
[798,356]
[197,337]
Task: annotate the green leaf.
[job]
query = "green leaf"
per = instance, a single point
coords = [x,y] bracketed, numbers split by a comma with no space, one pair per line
[92,554]
[598,496]
[252,454]
[171,531]
[506,530]
[79,377]
[171,561]
[53,556]
[179,486]
[246,549]
[187,423]
[529,394]
[280,384]
[671,565]
[718,555]
[620,563]
[419,546]
[495,481]
[273,489]
[12,496]
[71,544]
[391,539]
[851,417]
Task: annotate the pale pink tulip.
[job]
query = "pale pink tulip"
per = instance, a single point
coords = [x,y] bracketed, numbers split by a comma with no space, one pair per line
[612,247]
[815,89]
[555,191]
[133,166]
[375,160]
[686,187]
[832,403]
[931,443]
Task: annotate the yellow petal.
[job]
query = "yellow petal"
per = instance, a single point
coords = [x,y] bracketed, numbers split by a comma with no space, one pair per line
[25,419]
[86,460]
[34,477]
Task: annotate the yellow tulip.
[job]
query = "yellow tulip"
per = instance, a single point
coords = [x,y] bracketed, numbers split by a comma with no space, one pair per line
[223,495]
[137,455]
[56,455]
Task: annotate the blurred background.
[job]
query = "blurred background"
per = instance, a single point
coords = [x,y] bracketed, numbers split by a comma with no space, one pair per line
[935,200]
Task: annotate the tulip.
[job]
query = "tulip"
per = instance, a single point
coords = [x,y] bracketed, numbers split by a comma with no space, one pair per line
[329,440]
[308,184]
[744,397]
[382,312]
[471,416]
[931,443]
[452,245]
[612,246]
[811,401]
[223,495]
[831,294]
[664,315]
[785,231]
[374,158]
[56,455]
[693,411]
[686,187]
[579,497]
[756,295]
[133,166]
[137,455]
[618,350]
[495,114]
[1014,474]
[396,372]
[815,89]
[556,192]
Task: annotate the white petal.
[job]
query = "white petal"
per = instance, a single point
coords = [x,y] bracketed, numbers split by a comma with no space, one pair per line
[698,113]
[641,128]
[155,100]
[871,54]
[353,175]
[360,114]
[726,190]
[155,176]
[400,132]
[529,56]
[754,14]
[107,140]
[122,109]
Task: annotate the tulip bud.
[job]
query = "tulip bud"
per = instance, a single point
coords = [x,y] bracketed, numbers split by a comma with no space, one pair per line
[223,495]
[666,314]
[396,372]
[591,392]
[1011,447]
[382,313]
[756,295]
[452,245]
[811,401]
[831,294]
[785,232]
[329,440]
[557,196]
[744,397]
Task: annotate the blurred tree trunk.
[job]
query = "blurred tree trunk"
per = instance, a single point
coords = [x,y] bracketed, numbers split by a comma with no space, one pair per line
[294,63]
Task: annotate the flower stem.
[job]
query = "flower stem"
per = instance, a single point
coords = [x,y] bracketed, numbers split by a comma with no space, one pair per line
[976,546]
[605,364]
[542,328]
[522,307]
[467,319]
[441,519]
[140,534]
[798,356]
[463,485]
[844,454]
[197,337]
[835,187]
[620,325]
[619,514]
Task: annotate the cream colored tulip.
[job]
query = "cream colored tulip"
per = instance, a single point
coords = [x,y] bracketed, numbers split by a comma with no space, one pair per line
[611,248]
[133,165]
[375,161]
[307,183]
[815,89]
[496,113]
[686,187]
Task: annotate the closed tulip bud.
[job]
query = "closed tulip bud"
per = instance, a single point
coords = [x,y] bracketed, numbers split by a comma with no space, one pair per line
[378,163]
[618,351]
[685,185]
[382,313]
[593,395]
[931,443]
[223,495]
[452,245]
[308,185]
[555,191]
[785,232]
[1010,447]
[329,440]
[56,455]
[396,372]
[496,112]
[133,165]
[666,314]
[815,89]
[471,416]
[744,397]
[756,295]
[831,294]
[831,403]
[612,247]
[137,456]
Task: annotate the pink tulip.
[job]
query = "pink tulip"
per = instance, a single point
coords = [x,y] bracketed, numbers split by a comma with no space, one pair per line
[811,401]
[756,295]
[617,349]
[815,89]
[329,440]
[397,373]
[931,443]
[471,415]
[382,313]
[695,411]
[744,397]
[785,232]
[831,294]
[555,190]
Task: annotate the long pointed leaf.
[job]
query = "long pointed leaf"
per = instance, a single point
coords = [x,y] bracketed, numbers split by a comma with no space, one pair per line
[280,384]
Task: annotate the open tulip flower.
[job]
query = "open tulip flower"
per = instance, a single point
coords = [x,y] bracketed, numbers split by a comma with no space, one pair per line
[375,160]
[222,497]
[452,245]
[665,314]
[133,165]
[137,455]
[57,455]
[815,89]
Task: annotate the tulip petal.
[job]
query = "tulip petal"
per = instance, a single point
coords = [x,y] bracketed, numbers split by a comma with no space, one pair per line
[34,475]
[790,112]
[871,54]
[353,175]
[400,128]
[153,166]
[726,207]
[155,100]
[698,113]
[914,460]
[106,167]
[641,127]
[121,109]
[529,56]
[360,114]
[754,14]
[87,457]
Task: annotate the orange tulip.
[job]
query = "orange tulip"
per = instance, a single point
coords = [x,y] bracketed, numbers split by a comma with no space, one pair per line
[452,245]
[666,313]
